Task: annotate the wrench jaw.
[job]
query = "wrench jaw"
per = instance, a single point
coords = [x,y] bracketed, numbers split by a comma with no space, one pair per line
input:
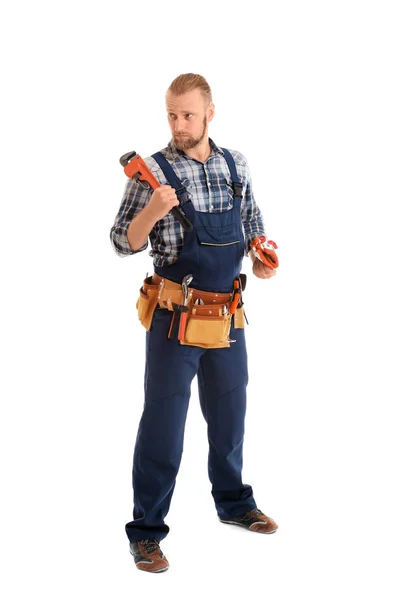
[125,158]
[185,287]
[142,182]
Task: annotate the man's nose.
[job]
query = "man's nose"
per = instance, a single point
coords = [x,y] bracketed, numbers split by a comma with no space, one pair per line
[179,124]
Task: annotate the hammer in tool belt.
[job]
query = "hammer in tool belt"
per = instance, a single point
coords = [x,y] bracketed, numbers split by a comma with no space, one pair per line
[135,168]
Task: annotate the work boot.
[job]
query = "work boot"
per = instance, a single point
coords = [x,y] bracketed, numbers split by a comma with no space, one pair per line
[254,520]
[148,556]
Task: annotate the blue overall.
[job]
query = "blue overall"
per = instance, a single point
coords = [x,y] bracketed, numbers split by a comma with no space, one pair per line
[213,254]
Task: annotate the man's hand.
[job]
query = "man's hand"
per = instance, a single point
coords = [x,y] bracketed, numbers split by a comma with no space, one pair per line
[162,200]
[261,270]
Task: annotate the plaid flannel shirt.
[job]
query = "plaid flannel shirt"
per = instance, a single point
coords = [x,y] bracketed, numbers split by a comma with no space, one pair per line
[209,186]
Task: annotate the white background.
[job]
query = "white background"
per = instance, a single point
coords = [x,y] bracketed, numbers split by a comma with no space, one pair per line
[309,93]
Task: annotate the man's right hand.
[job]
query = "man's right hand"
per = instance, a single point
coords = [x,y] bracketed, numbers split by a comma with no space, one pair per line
[162,200]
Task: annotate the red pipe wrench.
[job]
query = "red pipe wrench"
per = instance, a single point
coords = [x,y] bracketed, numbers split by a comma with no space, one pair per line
[135,168]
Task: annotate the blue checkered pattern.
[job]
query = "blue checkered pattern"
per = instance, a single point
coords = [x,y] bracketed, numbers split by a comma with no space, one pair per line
[207,185]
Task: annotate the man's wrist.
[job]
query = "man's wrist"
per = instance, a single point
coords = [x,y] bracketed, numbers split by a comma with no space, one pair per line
[139,229]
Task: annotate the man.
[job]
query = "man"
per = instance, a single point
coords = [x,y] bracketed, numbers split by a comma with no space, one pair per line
[215,194]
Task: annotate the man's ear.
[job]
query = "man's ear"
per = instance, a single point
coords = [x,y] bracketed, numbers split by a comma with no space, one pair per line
[210,112]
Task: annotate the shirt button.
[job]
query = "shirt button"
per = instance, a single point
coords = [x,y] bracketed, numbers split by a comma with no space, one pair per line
[212,207]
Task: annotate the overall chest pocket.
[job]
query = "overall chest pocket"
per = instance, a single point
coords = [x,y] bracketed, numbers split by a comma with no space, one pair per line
[218,236]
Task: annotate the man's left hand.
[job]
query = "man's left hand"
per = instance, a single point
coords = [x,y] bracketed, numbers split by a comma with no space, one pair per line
[261,270]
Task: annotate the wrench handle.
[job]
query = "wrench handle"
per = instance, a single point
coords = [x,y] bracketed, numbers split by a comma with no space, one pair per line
[182,218]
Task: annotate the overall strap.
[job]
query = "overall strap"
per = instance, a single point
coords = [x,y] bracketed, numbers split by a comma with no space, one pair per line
[169,173]
[237,185]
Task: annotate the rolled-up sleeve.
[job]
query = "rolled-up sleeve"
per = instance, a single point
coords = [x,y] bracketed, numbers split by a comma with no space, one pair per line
[253,224]
[133,201]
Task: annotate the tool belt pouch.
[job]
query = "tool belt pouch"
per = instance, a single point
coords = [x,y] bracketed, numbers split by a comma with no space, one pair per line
[207,327]
[168,296]
[238,318]
[147,303]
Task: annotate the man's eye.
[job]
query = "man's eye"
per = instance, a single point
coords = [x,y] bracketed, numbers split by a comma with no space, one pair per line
[171,116]
[189,115]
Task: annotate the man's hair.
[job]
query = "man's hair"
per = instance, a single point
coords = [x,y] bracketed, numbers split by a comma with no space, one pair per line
[188,82]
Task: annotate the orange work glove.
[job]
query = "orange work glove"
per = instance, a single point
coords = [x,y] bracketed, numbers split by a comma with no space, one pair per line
[265,250]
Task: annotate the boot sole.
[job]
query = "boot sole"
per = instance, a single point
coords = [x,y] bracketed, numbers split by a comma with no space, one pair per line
[158,570]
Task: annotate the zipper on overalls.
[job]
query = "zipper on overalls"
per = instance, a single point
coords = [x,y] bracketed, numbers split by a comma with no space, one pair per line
[228,244]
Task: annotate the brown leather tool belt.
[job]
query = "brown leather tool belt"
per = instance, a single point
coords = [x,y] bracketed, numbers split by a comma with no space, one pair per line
[169,290]
[203,320]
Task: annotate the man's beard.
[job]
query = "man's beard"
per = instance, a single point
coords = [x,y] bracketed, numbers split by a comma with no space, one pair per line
[190,142]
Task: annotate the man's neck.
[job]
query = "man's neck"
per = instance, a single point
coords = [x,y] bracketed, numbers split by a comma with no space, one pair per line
[200,152]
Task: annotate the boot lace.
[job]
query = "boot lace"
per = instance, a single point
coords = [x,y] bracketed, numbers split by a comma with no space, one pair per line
[150,545]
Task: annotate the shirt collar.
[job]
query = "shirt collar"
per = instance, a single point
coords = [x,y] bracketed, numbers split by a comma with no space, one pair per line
[173,153]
